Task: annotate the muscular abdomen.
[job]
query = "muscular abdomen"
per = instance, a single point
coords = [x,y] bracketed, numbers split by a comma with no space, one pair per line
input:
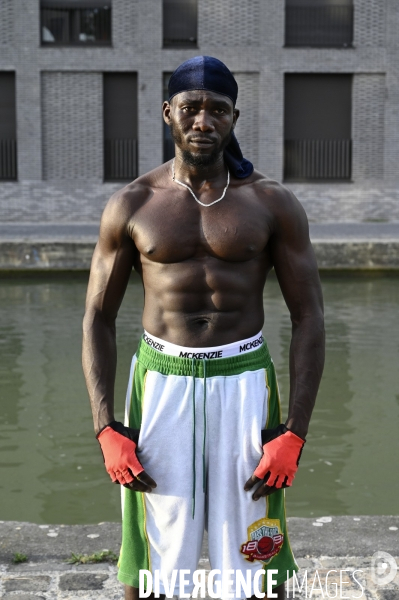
[204,301]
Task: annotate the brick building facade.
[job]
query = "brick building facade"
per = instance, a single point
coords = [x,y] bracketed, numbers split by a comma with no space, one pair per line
[59,103]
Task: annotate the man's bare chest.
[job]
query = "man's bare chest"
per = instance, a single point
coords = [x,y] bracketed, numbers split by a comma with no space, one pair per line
[171,229]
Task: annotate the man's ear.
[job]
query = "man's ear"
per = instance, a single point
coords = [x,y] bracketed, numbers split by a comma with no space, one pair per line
[236,114]
[166,108]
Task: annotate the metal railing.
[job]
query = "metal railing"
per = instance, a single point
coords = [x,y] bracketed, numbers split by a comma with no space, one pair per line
[180,24]
[120,160]
[8,160]
[70,26]
[317,159]
[320,26]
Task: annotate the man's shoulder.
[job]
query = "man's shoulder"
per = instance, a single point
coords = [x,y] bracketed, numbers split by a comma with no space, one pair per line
[277,196]
[133,195]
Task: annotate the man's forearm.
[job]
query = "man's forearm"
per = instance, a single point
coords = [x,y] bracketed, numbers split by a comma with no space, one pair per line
[99,366]
[306,368]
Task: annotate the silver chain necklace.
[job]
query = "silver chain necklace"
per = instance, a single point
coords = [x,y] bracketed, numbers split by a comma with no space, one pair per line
[191,191]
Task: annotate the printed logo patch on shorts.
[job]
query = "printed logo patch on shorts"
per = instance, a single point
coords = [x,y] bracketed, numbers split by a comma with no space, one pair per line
[265,540]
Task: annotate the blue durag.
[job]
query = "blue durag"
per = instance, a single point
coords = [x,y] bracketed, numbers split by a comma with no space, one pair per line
[208,73]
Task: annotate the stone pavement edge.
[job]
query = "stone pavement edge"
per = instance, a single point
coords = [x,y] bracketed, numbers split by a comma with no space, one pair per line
[336,556]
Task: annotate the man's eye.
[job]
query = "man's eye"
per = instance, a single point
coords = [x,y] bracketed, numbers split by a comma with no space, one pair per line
[220,111]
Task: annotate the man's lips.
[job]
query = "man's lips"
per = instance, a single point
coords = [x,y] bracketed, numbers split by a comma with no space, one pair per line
[202,141]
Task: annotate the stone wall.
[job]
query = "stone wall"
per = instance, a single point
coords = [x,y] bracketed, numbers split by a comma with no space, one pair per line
[230,23]
[248,102]
[368,108]
[81,201]
[346,202]
[72,126]
[370,21]
[6,23]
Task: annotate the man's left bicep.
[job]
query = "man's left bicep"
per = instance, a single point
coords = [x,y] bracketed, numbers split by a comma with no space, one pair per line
[295,264]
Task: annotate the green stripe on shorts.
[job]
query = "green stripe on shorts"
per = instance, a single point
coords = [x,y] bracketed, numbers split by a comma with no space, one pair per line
[135,550]
[275,503]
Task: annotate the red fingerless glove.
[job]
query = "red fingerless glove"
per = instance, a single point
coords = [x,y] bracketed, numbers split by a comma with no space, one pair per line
[280,459]
[119,452]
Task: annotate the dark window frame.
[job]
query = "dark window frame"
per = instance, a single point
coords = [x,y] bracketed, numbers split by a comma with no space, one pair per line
[121,154]
[325,26]
[325,155]
[8,132]
[71,15]
[173,29]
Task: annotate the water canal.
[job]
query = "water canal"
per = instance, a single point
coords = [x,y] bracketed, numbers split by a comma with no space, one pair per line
[51,469]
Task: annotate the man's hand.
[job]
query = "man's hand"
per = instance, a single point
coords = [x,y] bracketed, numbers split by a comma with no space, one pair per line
[281,453]
[118,445]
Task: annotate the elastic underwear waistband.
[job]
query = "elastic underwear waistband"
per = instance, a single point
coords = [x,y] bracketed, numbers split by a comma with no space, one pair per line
[234,349]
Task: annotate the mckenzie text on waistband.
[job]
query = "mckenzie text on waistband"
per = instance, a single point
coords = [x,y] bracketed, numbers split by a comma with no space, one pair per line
[233,349]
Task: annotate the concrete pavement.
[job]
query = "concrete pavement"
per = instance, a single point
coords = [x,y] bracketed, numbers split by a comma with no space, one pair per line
[342,547]
[89,231]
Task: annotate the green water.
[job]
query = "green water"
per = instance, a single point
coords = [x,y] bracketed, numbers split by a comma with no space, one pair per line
[51,469]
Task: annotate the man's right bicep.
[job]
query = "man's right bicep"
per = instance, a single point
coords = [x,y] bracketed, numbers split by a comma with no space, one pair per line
[111,267]
[109,276]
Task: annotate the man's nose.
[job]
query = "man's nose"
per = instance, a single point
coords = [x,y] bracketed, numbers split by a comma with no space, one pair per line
[203,121]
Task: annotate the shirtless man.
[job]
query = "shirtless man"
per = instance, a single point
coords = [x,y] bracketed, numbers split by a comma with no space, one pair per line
[203,232]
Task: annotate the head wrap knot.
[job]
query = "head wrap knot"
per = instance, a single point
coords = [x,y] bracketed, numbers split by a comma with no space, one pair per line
[208,73]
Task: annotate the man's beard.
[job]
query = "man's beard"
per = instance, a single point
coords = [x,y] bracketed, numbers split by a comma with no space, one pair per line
[200,160]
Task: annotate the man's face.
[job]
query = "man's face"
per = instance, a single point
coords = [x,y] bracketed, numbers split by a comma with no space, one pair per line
[201,123]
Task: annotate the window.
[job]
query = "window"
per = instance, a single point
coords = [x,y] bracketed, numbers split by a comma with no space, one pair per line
[75,22]
[120,126]
[8,128]
[168,143]
[317,127]
[180,23]
[319,23]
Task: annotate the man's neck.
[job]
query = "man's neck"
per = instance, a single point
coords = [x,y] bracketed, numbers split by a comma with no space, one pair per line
[200,176]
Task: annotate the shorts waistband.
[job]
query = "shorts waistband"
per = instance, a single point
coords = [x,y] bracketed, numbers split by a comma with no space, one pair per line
[190,363]
[224,351]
